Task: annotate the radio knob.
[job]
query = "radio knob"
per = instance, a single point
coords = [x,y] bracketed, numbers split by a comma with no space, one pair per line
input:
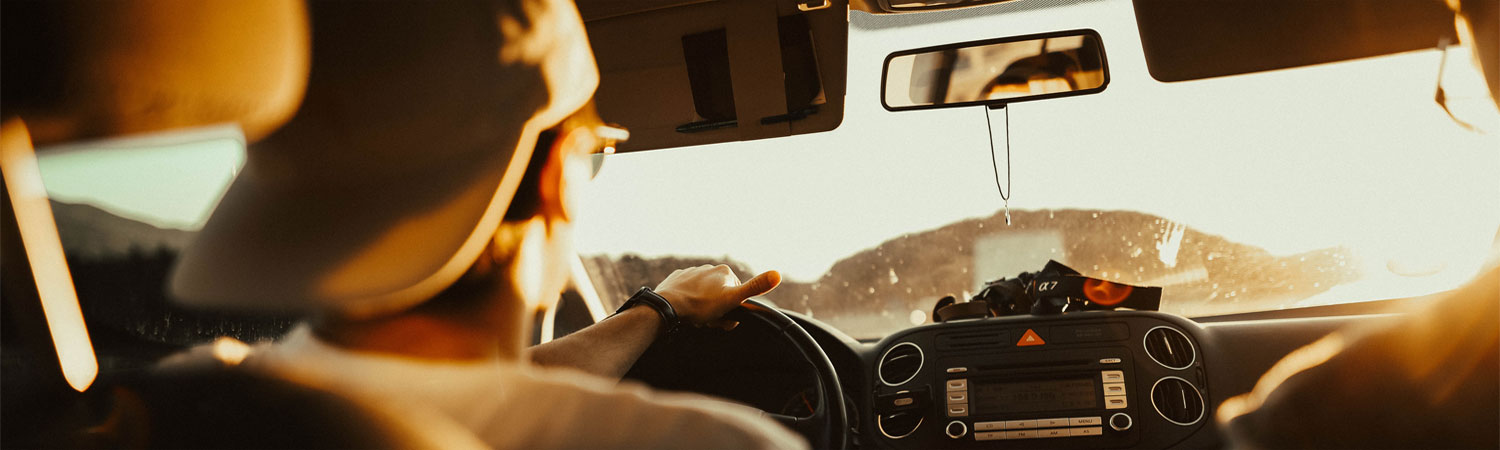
[957,429]
[1120,422]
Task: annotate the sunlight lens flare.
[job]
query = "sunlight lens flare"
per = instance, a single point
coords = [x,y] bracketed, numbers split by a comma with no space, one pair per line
[54,284]
[230,351]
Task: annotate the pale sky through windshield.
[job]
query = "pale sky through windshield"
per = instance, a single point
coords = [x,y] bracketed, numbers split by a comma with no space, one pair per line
[169,180]
[1354,154]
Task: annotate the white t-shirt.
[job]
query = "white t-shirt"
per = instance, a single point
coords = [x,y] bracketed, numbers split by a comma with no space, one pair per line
[509,405]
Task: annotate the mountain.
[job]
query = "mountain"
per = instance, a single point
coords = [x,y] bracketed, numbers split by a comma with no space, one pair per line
[89,232]
[897,281]
[120,267]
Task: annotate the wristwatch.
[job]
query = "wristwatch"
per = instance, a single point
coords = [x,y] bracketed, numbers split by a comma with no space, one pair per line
[669,319]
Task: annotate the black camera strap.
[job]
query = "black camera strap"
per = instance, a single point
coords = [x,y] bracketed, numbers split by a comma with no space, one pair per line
[1055,289]
[1058,281]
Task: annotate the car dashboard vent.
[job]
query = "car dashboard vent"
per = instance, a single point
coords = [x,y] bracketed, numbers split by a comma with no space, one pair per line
[1170,348]
[1177,401]
[900,364]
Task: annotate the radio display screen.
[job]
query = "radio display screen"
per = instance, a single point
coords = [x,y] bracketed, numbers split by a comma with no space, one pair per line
[999,397]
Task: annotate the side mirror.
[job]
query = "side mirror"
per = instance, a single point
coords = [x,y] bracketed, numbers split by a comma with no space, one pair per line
[996,71]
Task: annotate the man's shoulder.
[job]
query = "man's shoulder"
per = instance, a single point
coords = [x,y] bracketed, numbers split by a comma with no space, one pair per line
[563,405]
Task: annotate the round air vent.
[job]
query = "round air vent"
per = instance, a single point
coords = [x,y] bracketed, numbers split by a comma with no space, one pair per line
[898,425]
[1170,348]
[900,364]
[1177,401]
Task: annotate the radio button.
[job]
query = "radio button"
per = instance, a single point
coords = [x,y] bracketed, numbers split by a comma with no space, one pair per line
[958,410]
[1109,361]
[960,384]
[989,426]
[1049,423]
[956,429]
[989,436]
[958,369]
[905,401]
[1030,338]
[1113,376]
[1089,431]
[1114,402]
[958,397]
[1114,388]
[1018,424]
[1080,421]
[1021,434]
[1055,432]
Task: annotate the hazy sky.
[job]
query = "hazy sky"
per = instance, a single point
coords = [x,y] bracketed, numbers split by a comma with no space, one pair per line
[170,180]
[1354,154]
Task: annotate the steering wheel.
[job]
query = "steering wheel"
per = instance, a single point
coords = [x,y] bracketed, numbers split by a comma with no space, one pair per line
[828,426]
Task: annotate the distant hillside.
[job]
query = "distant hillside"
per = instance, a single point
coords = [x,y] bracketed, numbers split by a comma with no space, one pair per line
[1200,273]
[120,265]
[89,232]
[119,269]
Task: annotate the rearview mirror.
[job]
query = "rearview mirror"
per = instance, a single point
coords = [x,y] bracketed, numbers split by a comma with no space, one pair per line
[996,71]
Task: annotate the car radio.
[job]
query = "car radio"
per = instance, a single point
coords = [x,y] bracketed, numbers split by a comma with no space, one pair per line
[1065,393]
[1066,382]
[1093,379]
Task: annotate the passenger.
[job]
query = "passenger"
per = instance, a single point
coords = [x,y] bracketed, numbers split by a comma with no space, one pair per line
[1429,380]
[90,70]
[419,206]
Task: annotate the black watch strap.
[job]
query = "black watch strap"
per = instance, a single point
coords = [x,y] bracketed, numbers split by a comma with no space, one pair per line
[645,296]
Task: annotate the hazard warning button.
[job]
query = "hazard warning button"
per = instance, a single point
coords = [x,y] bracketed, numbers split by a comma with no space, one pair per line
[1030,338]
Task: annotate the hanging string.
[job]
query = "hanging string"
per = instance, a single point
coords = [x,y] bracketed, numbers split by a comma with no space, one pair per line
[1004,192]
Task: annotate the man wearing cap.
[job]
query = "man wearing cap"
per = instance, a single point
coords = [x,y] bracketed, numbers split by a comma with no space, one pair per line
[417,208]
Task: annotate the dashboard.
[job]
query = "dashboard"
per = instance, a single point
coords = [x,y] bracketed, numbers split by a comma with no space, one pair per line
[1100,379]
[1083,380]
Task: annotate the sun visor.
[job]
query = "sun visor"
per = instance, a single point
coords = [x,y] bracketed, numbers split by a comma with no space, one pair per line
[678,73]
[86,70]
[1186,40]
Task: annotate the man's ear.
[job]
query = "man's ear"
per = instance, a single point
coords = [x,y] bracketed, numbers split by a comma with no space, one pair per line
[564,173]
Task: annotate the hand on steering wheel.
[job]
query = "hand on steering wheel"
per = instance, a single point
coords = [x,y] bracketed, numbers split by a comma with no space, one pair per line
[701,295]
[708,294]
[828,426]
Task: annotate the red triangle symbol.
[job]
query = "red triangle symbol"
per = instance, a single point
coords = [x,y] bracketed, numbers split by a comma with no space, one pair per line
[1030,338]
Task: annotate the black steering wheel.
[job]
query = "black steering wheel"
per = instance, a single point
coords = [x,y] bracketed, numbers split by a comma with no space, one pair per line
[828,426]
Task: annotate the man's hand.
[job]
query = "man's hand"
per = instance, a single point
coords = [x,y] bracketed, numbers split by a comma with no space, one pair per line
[703,294]
[700,295]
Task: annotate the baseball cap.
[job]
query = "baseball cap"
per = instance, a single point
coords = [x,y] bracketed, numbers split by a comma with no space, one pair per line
[415,129]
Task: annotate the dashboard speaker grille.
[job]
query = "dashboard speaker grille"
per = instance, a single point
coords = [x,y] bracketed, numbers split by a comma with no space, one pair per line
[1170,348]
[1177,401]
[900,364]
[965,341]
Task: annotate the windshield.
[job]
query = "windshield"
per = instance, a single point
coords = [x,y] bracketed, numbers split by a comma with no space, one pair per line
[1333,183]
[1326,184]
